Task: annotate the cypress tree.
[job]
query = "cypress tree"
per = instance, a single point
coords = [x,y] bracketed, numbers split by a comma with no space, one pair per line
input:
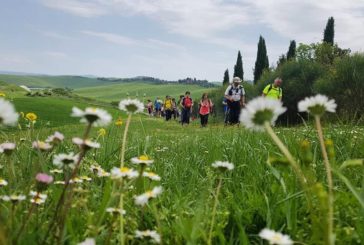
[238,68]
[291,54]
[226,77]
[329,31]
[261,62]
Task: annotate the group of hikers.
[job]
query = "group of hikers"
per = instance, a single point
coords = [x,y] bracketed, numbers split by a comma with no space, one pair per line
[233,102]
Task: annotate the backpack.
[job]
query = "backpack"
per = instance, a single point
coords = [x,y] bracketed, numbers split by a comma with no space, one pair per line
[236,90]
[279,89]
[187,102]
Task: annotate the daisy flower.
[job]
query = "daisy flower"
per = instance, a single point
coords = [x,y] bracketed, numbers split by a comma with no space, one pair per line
[85,178]
[38,198]
[65,159]
[41,145]
[8,116]
[56,171]
[144,198]
[259,111]
[117,173]
[274,237]
[142,160]
[3,182]
[317,105]
[116,211]
[99,171]
[7,148]
[223,165]
[156,238]
[56,138]
[13,198]
[76,180]
[88,241]
[88,144]
[152,176]
[59,182]
[96,116]
[131,106]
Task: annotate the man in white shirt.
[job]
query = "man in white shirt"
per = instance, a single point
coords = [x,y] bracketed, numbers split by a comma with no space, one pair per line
[235,95]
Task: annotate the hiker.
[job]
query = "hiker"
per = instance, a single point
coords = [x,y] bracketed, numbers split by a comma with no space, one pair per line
[158,107]
[186,104]
[174,109]
[225,109]
[150,107]
[235,95]
[273,90]
[179,107]
[205,106]
[168,107]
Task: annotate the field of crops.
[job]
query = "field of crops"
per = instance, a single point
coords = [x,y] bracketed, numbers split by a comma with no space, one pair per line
[197,203]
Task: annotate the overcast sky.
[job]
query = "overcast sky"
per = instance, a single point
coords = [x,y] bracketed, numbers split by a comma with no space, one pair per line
[169,39]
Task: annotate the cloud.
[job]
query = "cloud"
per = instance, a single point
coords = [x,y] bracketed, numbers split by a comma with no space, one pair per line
[56,35]
[55,54]
[112,37]
[77,7]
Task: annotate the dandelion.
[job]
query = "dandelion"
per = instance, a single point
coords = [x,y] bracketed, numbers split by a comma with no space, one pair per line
[56,138]
[88,144]
[88,241]
[142,160]
[119,122]
[317,105]
[156,238]
[3,182]
[8,116]
[117,211]
[7,148]
[131,106]
[274,237]
[13,198]
[143,199]
[117,173]
[38,198]
[41,145]
[65,159]
[96,116]
[32,117]
[223,166]
[152,176]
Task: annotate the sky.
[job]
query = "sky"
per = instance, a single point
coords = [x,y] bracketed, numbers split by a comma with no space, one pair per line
[167,39]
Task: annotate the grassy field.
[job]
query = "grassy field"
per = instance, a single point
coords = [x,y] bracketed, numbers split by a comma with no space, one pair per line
[253,196]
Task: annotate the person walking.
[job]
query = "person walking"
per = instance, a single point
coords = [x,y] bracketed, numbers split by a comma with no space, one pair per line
[235,95]
[158,107]
[274,90]
[168,107]
[150,107]
[186,104]
[205,106]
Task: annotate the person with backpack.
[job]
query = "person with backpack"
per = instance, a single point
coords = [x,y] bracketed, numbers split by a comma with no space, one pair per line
[168,107]
[205,108]
[273,90]
[186,104]
[158,107]
[235,95]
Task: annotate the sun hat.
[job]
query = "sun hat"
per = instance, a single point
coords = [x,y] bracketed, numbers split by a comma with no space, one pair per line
[237,79]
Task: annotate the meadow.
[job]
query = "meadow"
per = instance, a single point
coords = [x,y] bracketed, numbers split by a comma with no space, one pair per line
[261,191]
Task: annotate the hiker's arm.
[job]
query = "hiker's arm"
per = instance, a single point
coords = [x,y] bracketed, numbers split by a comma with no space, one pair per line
[242,100]
[265,91]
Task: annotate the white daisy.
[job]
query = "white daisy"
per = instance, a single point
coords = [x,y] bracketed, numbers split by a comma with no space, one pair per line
[65,159]
[259,111]
[131,106]
[85,178]
[38,198]
[156,238]
[117,173]
[317,105]
[144,198]
[152,176]
[41,145]
[3,182]
[142,160]
[274,237]
[88,241]
[99,171]
[7,148]
[8,116]
[56,171]
[96,116]
[223,165]
[76,180]
[13,198]
[88,144]
[59,182]
[116,211]
[57,137]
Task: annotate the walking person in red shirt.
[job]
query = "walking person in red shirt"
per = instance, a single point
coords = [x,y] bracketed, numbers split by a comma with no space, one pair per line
[205,109]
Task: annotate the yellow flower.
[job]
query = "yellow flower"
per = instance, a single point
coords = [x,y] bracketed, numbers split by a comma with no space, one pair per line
[2,94]
[102,132]
[31,116]
[119,122]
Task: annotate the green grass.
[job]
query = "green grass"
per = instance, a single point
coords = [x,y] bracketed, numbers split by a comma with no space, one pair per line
[252,196]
